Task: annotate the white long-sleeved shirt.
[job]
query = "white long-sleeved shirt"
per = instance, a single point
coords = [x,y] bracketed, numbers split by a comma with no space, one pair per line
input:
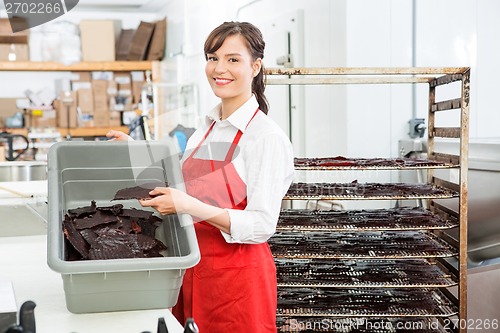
[263,160]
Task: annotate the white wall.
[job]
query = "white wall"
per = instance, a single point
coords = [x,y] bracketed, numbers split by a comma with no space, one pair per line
[368,33]
[338,33]
[13,84]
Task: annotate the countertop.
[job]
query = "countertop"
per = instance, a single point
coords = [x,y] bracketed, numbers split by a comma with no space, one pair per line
[23,261]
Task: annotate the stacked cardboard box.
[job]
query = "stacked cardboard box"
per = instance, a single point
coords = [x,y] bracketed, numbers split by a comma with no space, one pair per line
[98,39]
[101,103]
[13,46]
[97,99]
[147,42]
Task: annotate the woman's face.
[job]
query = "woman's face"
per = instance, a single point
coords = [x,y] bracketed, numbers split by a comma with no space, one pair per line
[230,70]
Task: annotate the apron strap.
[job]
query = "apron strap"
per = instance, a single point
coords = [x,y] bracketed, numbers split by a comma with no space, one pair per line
[203,139]
[232,148]
[236,140]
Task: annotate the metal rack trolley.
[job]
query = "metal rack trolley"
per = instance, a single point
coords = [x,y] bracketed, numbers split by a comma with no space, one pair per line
[444,273]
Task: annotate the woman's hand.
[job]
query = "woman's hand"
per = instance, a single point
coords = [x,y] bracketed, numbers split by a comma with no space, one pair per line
[118,136]
[168,200]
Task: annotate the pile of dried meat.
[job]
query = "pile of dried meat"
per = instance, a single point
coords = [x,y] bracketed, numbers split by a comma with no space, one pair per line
[111,232]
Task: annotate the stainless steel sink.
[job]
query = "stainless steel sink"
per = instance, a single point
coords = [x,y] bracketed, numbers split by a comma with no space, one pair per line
[23,171]
[23,220]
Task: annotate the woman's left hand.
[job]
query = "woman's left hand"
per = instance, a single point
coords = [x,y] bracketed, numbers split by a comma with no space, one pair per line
[167,200]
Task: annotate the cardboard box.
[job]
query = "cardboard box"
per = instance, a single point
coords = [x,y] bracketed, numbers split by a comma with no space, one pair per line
[99,90]
[103,75]
[8,107]
[137,90]
[115,118]
[112,88]
[85,119]
[6,34]
[14,52]
[47,119]
[123,45]
[140,42]
[81,76]
[123,78]
[77,85]
[64,105]
[157,45]
[101,118]
[98,39]
[85,100]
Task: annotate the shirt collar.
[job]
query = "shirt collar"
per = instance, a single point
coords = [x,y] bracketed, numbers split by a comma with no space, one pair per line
[239,118]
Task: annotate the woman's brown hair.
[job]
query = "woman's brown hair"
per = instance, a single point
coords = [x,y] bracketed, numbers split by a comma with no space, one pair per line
[255,43]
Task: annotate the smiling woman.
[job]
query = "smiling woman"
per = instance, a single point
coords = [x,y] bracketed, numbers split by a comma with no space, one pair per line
[237,167]
[234,54]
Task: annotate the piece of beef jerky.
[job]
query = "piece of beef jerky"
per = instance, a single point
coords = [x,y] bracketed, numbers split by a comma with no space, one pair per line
[115,209]
[145,242]
[110,232]
[89,235]
[83,211]
[138,192]
[71,253]
[136,228]
[111,247]
[147,228]
[124,224]
[75,238]
[94,220]
[136,213]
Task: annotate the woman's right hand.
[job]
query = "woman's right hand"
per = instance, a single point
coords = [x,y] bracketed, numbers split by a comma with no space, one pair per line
[113,135]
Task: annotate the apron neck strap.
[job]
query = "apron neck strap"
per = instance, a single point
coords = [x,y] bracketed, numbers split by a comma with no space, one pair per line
[236,140]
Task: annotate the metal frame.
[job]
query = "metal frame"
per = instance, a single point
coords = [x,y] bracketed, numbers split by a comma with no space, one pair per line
[434,77]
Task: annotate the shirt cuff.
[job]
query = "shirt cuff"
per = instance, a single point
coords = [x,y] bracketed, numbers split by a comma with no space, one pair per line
[240,229]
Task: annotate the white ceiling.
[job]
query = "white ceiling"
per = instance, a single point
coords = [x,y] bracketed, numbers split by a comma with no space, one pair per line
[122,5]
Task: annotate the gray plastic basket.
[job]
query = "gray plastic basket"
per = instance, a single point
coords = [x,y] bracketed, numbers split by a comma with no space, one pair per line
[79,172]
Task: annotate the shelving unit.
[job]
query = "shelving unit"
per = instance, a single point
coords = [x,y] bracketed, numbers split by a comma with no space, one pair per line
[114,66]
[379,266]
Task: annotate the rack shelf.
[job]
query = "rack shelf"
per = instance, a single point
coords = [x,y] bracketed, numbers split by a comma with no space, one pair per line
[335,240]
[76,132]
[115,66]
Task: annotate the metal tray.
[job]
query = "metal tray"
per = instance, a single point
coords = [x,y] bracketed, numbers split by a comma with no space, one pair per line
[404,218]
[419,302]
[366,191]
[359,245]
[360,325]
[361,273]
[344,163]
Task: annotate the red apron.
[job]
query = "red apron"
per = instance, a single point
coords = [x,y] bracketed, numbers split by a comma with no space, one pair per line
[233,287]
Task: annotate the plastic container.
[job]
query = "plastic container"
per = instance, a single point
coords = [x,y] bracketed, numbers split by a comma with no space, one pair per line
[79,172]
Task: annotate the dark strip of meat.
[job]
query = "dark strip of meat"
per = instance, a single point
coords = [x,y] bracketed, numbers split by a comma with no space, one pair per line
[136,213]
[83,211]
[138,192]
[94,220]
[75,238]
[115,209]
